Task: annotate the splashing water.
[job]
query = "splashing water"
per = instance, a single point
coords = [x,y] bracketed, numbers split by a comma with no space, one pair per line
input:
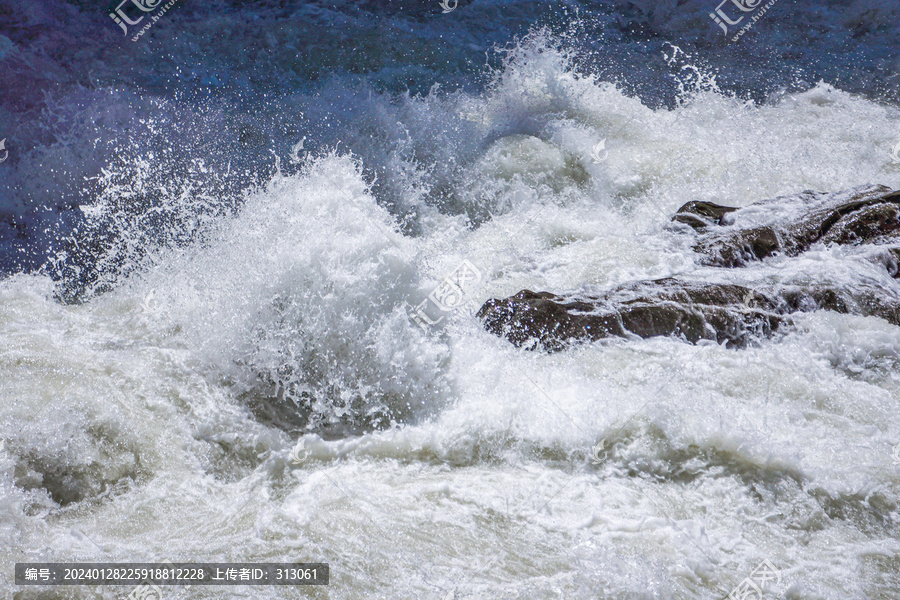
[236,378]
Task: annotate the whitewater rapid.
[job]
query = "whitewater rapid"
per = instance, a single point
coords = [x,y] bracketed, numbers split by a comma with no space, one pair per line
[152,421]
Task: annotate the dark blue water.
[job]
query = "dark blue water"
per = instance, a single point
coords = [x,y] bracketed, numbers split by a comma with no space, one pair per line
[231,85]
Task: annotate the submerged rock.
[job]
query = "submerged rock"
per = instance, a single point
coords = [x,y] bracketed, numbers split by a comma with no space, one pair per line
[724,312]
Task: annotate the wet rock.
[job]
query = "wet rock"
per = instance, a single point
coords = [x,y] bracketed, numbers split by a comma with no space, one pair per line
[728,314]
[866,217]
[693,311]
[739,248]
[731,237]
[699,214]
[873,224]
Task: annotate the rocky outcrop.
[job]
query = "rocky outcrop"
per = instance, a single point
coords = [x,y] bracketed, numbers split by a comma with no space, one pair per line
[724,312]
[732,237]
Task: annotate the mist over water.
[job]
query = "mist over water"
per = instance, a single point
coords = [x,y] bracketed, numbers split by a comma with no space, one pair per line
[207,350]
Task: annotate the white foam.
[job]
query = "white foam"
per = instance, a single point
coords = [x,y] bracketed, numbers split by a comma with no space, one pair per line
[716,459]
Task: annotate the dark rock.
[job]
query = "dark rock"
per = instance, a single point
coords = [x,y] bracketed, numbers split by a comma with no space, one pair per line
[739,248]
[868,215]
[724,313]
[699,214]
[872,224]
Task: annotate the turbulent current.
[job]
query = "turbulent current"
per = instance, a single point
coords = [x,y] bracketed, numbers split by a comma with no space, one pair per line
[217,342]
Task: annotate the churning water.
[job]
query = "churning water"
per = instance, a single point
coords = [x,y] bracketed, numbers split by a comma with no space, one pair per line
[214,367]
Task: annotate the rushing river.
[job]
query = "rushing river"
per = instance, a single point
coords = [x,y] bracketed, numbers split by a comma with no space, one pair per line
[206,350]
